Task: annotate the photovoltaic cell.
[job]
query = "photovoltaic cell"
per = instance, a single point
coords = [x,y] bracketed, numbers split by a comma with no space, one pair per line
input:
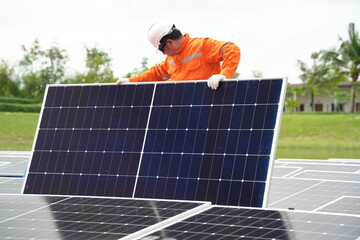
[174,140]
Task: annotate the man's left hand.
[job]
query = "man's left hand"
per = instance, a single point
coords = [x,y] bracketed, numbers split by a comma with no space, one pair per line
[214,80]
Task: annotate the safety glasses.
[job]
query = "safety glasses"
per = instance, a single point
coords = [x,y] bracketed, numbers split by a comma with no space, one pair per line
[162,46]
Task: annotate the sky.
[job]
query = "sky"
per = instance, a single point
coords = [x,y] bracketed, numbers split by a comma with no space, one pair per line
[272,34]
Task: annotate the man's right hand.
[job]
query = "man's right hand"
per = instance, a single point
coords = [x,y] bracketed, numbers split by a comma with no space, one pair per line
[122,81]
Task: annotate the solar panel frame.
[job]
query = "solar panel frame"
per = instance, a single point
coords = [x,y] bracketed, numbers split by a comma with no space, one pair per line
[226,99]
[275,141]
[250,100]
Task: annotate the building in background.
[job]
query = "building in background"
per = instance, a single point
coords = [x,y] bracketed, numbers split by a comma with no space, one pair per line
[338,101]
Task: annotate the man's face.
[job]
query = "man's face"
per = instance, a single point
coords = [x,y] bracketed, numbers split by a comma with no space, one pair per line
[170,48]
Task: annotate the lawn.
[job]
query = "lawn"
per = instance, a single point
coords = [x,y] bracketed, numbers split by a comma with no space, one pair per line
[340,131]
[17,130]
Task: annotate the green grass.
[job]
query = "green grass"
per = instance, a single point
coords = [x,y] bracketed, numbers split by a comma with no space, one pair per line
[298,131]
[314,131]
[17,130]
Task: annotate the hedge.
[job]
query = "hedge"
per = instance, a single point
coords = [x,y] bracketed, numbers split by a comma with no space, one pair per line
[14,100]
[13,107]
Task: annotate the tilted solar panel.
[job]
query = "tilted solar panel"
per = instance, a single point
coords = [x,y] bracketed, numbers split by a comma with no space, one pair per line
[173,140]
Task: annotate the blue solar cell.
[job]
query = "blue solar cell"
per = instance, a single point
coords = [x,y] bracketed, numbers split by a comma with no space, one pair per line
[53,96]
[175,141]
[269,91]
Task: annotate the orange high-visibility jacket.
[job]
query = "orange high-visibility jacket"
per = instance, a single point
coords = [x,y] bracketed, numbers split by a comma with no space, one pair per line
[197,59]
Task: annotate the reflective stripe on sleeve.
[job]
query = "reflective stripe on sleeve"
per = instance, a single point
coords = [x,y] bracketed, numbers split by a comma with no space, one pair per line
[223,48]
[163,77]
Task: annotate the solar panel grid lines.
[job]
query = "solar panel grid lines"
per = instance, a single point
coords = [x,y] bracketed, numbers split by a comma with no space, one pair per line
[83,151]
[251,223]
[143,146]
[28,210]
[157,140]
[168,222]
[14,164]
[200,151]
[322,186]
[94,217]
[76,217]
[345,204]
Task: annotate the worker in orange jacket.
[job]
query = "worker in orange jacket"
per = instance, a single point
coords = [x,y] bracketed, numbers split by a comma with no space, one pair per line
[189,58]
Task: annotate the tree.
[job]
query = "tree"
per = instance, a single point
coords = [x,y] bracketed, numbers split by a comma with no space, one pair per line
[292,104]
[314,77]
[31,82]
[98,68]
[346,60]
[341,97]
[9,86]
[350,56]
[54,69]
[41,67]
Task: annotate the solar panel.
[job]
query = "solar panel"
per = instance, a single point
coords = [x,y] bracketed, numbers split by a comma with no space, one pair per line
[313,185]
[13,164]
[70,217]
[89,140]
[11,185]
[76,217]
[174,140]
[250,223]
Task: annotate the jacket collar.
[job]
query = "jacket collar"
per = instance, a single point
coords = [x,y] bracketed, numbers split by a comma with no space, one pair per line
[187,37]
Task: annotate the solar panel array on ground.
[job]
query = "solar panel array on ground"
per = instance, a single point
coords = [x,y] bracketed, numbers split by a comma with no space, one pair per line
[171,156]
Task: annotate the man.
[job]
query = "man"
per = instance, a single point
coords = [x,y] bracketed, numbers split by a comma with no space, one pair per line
[189,58]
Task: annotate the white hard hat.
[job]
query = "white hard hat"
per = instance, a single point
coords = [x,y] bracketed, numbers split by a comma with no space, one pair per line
[157,31]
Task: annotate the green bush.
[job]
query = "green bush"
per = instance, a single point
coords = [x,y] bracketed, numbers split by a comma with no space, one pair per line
[14,100]
[13,107]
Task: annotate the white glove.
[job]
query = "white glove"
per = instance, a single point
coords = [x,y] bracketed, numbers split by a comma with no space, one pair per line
[122,81]
[213,81]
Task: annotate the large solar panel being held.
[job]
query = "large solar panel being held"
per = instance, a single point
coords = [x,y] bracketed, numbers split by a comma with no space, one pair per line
[172,140]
